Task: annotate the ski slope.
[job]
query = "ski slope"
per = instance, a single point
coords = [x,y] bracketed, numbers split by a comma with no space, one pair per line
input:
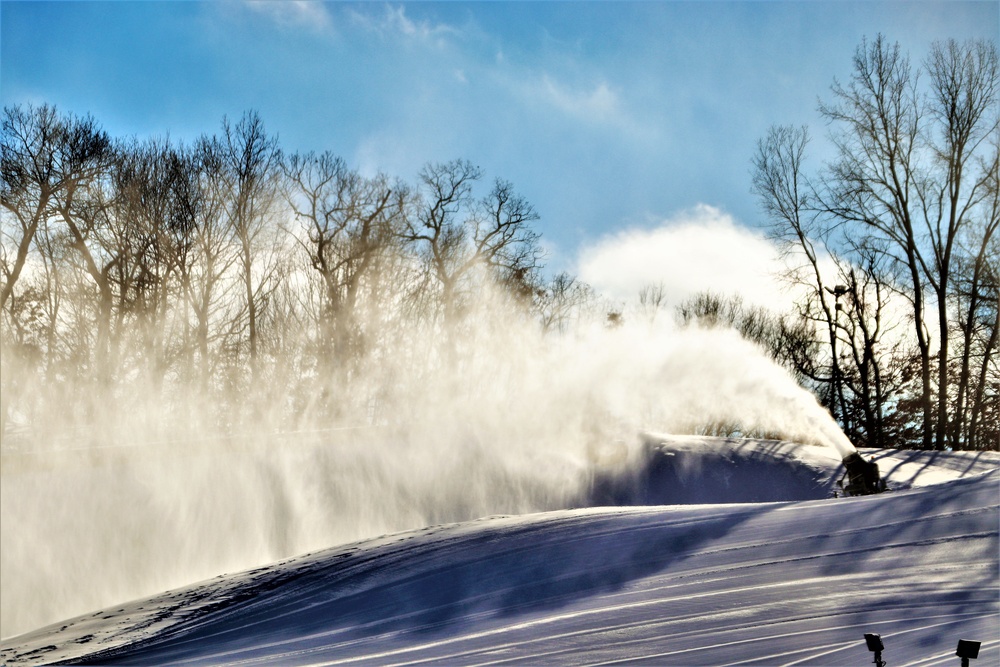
[766,568]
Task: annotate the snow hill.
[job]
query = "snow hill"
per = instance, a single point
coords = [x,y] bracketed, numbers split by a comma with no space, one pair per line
[696,551]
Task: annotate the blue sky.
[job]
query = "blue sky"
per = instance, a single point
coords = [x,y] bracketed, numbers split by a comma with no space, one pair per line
[610,117]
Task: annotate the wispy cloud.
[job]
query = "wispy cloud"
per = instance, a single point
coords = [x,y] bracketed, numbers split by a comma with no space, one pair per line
[393,22]
[293,14]
[598,102]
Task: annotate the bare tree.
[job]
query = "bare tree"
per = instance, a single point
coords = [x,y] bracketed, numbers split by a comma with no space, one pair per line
[875,178]
[99,242]
[907,171]
[874,355]
[963,98]
[912,173]
[977,298]
[459,234]
[252,162]
[439,226]
[152,219]
[505,242]
[350,222]
[42,154]
[207,255]
[786,196]
[564,300]
[652,299]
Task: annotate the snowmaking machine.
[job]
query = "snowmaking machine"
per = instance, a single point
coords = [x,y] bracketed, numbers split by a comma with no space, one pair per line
[862,477]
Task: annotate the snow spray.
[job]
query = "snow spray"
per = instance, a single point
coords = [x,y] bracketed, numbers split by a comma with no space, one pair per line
[514,428]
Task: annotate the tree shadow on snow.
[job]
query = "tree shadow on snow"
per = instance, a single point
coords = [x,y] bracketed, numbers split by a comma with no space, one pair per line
[431,583]
[429,587]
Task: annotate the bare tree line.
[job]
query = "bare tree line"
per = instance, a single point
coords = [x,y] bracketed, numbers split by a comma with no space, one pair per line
[233,275]
[906,214]
[225,264]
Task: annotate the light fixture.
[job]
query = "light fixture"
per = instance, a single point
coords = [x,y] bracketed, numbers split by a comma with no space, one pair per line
[967,649]
[874,643]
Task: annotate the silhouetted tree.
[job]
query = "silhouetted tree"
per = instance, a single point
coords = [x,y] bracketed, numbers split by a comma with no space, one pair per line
[912,174]
[350,222]
[42,154]
[459,234]
[252,162]
[563,300]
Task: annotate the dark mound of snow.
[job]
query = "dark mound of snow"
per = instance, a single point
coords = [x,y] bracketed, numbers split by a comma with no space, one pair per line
[682,471]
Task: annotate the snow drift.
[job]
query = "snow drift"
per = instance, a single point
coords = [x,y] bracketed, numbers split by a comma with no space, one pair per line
[792,582]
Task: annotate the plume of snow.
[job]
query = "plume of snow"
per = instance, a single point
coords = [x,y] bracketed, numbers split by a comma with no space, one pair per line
[516,427]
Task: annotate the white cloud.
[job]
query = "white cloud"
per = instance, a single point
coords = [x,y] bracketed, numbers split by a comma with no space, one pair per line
[700,249]
[600,102]
[596,103]
[293,13]
[395,22]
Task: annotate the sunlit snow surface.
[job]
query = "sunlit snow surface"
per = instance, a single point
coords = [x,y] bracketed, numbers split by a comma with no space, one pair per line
[748,582]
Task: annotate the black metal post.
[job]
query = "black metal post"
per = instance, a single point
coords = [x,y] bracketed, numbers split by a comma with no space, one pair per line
[874,643]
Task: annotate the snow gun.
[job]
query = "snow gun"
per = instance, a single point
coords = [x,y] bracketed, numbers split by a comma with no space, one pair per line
[862,477]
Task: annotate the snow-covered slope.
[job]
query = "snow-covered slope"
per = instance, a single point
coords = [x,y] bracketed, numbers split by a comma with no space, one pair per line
[753,582]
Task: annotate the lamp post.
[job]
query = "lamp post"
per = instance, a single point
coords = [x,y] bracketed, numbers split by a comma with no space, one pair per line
[838,397]
[874,643]
[967,649]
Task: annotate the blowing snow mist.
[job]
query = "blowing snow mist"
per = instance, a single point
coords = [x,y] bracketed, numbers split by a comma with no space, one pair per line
[128,509]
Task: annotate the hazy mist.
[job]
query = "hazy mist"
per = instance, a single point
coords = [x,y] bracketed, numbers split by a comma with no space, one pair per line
[153,498]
